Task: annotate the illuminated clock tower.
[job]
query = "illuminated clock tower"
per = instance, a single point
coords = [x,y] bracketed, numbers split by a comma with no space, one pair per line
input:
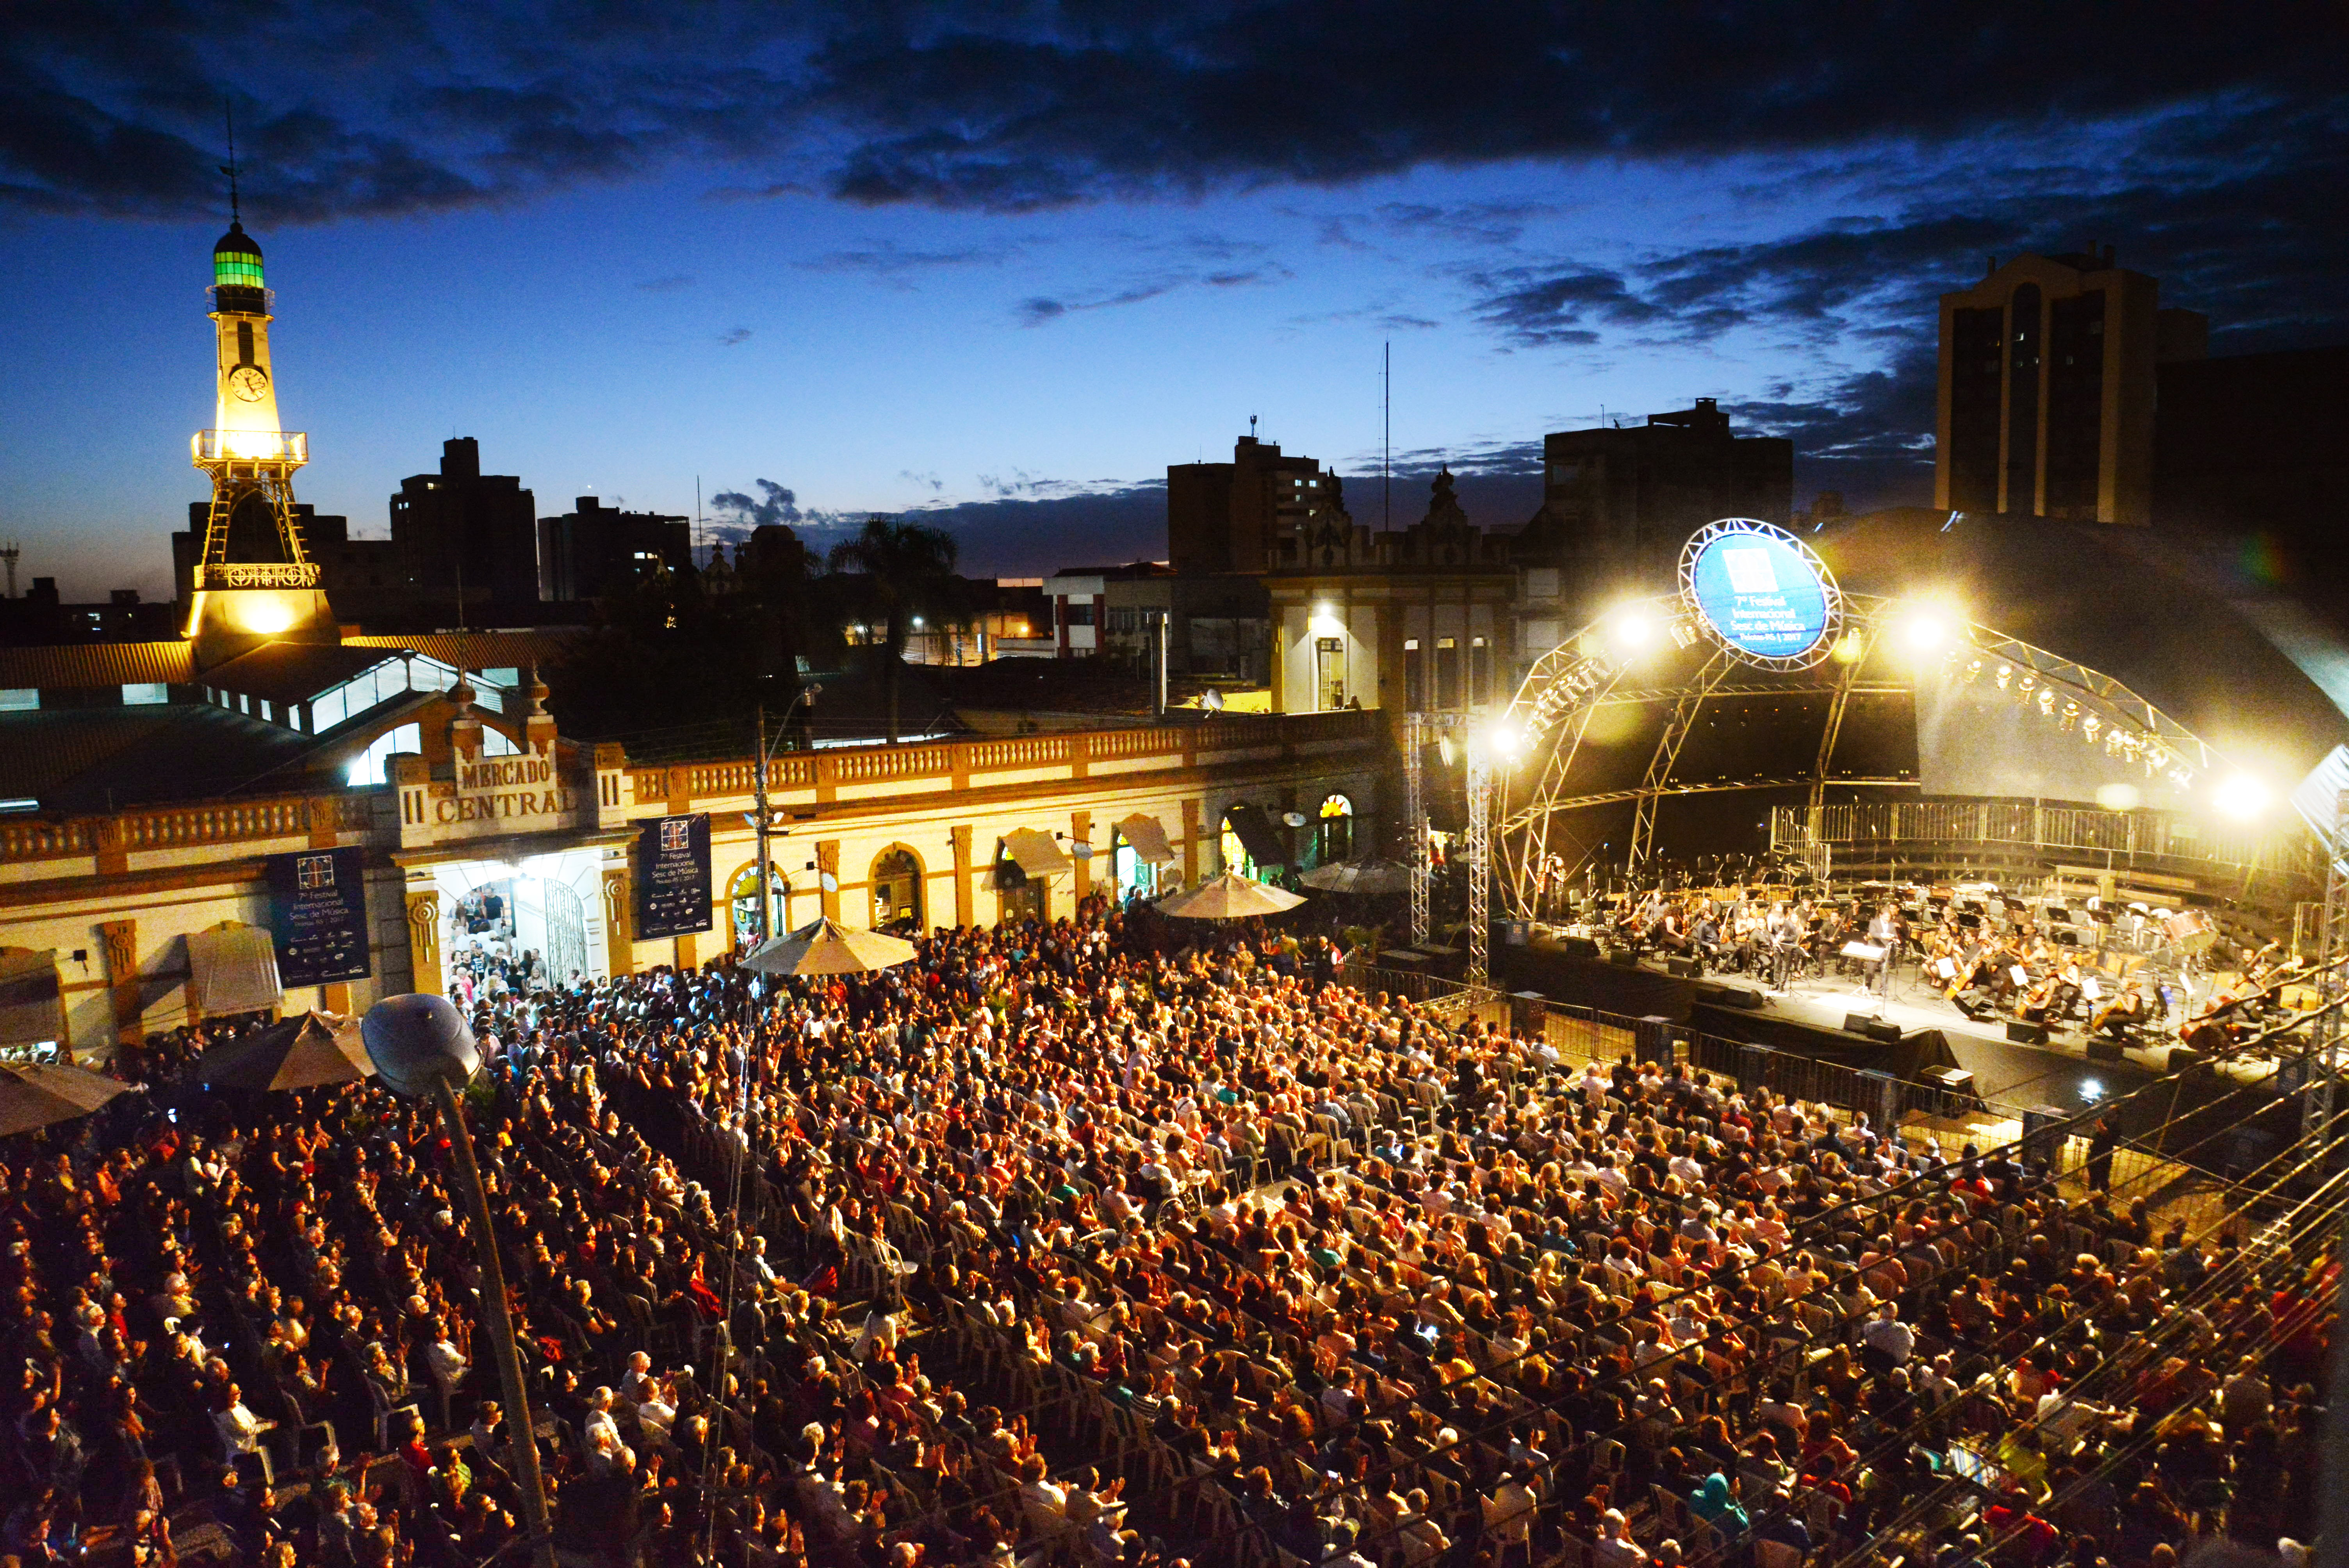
[246,590]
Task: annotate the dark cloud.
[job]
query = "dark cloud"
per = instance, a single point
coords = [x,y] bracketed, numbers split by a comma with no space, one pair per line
[774,505]
[891,265]
[112,105]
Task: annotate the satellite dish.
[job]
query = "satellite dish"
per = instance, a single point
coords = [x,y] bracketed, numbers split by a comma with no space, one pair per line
[1294,818]
[831,884]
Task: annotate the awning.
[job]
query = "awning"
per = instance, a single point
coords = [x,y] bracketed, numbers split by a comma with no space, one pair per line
[232,969]
[1146,838]
[1036,853]
[31,1013]
[1264,846]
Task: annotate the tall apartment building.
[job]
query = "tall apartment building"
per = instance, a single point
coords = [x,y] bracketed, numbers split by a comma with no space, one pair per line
[595,550]
[2046,397]
[464,531]
[1621,501]
[1250,514]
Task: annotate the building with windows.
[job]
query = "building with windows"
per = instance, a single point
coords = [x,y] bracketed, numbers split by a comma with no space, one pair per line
[1618,501]
[1251,515]
[1217,624]
[594,550]
[2046,399]
[467,541]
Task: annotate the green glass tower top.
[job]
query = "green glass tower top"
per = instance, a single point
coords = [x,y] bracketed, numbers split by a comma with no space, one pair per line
[236,260]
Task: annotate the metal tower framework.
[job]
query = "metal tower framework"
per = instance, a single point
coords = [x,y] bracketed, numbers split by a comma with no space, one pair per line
[1593,671]
[2317,1105]
[243,465]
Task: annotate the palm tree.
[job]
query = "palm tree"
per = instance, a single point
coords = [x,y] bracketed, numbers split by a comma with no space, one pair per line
[908,573]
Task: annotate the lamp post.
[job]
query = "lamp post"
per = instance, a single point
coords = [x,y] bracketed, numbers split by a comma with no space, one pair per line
[761,821]
[422,1046]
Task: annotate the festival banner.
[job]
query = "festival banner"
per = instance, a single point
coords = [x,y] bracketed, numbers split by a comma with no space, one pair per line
[317,916]
[673,877]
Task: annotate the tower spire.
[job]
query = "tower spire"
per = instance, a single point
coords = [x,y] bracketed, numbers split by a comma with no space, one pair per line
[228,111]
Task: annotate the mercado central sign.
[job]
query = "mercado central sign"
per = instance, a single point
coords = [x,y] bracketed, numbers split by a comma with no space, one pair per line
[505,790]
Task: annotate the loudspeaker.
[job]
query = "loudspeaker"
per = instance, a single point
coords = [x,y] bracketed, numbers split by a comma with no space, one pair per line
[1883,1029]
[1726,996]
[2181,1057]
[2105,1048]
[1686,968]
[1578,947]
[2026,1034]
[1623,958]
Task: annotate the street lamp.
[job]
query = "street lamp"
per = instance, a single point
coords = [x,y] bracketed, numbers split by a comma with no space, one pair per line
[422,1047]
[761,821]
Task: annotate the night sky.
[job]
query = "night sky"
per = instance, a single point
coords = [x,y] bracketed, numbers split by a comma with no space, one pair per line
[1009,262]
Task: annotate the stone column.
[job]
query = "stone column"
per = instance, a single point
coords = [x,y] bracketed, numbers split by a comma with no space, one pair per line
[119,940]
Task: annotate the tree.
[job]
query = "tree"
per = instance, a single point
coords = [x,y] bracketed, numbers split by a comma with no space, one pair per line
[900,572]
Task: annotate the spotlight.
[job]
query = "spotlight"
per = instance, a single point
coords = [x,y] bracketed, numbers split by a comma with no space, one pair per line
[2091,1090]
[1924,629]
[2006,674]
[2071,714]
[2048,703]
[1973,671]
[2241,798]
[2118,797]
[1632,629]
[2088,728]
[1501,739]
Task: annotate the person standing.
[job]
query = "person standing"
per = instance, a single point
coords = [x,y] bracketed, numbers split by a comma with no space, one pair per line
[2103,1141]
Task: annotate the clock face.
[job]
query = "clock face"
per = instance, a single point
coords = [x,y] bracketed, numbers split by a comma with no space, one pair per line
[250,382]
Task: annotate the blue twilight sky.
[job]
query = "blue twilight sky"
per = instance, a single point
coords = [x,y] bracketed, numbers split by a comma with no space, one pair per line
[1009,262]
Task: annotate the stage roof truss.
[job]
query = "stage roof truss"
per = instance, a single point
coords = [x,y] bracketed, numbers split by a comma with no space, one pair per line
[1585,673]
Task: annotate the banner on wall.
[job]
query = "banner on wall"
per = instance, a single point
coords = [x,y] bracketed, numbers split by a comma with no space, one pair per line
[673,877]
[318,915]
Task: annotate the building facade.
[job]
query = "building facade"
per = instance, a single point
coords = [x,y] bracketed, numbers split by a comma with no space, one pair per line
[2045,399]
[538,843]
[1251,515]
[594,550]
[468,538]
[1618,501]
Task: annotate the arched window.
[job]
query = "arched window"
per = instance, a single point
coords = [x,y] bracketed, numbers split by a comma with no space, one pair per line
[1234,853]
[1333,831]
[897,891]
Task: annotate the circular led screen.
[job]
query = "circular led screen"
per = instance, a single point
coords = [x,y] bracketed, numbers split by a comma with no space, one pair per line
[1759,590]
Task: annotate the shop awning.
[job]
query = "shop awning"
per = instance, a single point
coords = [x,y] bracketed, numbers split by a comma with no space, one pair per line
[232,969]
[31,1013]
[1264,846]
[1036,853]
[1147,839]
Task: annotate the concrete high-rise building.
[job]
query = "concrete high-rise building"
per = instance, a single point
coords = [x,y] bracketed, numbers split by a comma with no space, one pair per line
[1621,501]
[2047,396]
[462,531]
[1250,514]
[595,550]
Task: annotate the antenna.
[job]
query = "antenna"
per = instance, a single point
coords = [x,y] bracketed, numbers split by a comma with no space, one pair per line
[9,552]
[697,516]
[228,112]
[1386,461]
[1251,427]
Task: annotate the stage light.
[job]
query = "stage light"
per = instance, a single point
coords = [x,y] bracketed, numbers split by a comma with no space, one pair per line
[1850,648]
[2071,714]
[1924,630]
[1973,671]
[1500,739]
[2088,728]
[2006,674]
[2048,703]
[2091,1090]
[1632,629]
[2118,797]
[2241,798]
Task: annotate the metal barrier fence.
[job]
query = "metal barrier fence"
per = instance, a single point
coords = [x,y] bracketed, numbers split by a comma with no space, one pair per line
[2126,834]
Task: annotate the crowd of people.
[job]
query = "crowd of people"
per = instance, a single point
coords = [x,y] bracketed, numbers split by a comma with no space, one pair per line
[1103,1241]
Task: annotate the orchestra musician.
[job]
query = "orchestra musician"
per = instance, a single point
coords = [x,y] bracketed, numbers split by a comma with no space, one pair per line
[2124,1012]
[1884,930]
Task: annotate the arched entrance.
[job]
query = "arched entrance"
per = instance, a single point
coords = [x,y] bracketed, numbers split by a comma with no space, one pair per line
[897,883]
[742,896]
[1333,831]
[1018,896]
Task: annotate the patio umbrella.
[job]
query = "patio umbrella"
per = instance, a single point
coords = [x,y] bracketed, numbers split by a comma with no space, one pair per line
[827,948]
[299,1052]
[1229,897]
[1364,876]
[36,1094]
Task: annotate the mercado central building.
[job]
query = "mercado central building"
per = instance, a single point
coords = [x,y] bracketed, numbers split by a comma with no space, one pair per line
[275,810]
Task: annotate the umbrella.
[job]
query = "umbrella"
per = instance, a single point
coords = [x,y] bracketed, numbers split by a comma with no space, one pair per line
[299,1052]
[1229,897]
[35,1093]
[1364,876]
[827,948]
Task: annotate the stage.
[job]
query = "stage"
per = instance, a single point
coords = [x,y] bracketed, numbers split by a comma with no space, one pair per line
[1809,1017]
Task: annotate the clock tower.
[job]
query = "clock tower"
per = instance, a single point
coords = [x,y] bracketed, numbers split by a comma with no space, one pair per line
[254,582]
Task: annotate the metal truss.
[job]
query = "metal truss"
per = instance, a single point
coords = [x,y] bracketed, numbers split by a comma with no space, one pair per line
[1566,688]
[1414,816]
[2317,1105]
[1480,864]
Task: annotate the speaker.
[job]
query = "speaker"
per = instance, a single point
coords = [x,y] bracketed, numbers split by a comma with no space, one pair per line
[1883,1029]
[1721,994]
[2181,1057]
[2105,1048]
[1623,957]
[1578,947]
[1686,968]
[2026,1034]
